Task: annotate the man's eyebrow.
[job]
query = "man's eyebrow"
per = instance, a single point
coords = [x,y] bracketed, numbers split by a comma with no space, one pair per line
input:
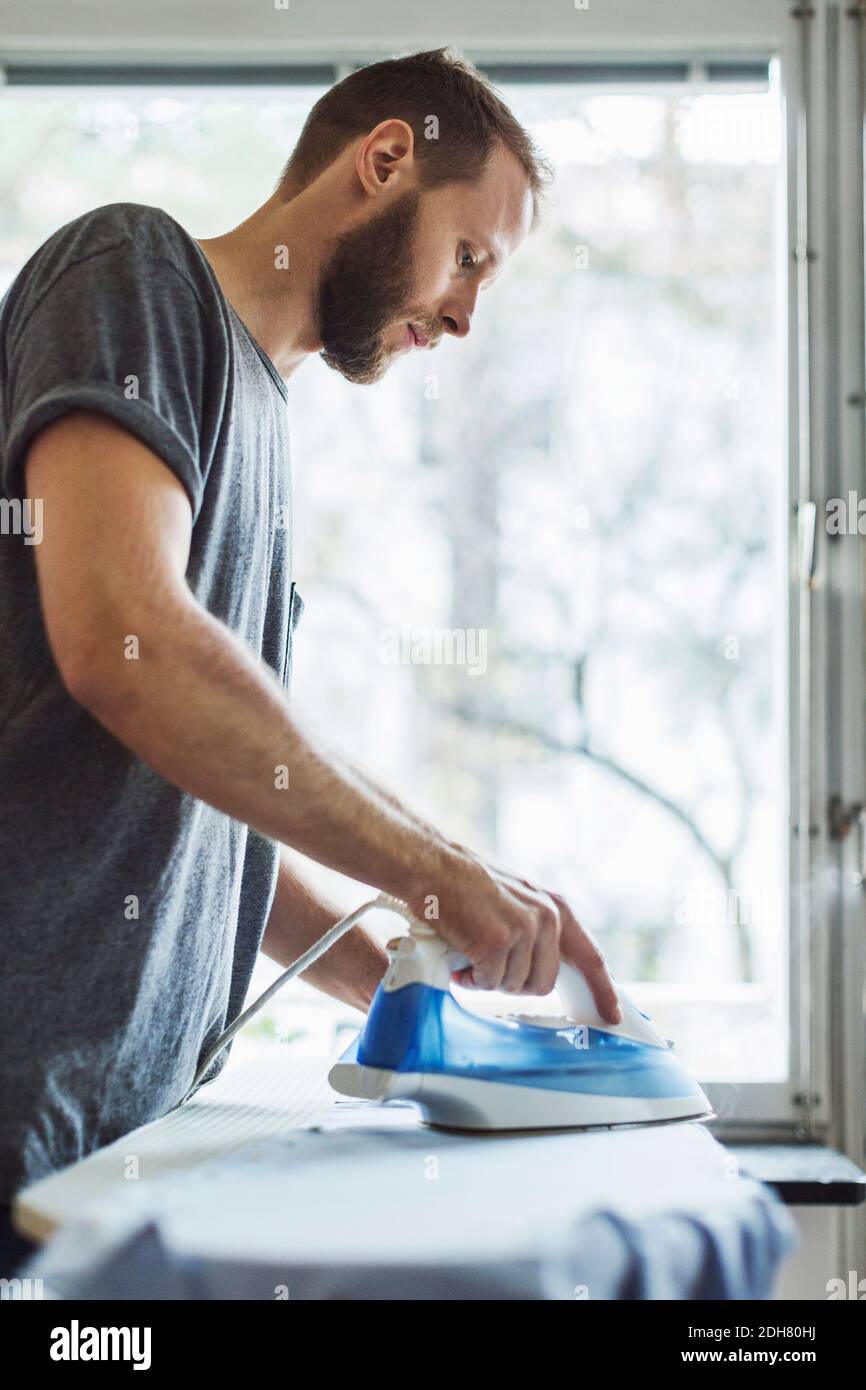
[484,246]
[493,266]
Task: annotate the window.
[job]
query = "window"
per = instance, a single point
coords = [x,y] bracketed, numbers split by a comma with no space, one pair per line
[554,560]
[589,494]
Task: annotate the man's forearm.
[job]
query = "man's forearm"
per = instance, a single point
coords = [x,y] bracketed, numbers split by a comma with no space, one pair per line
[349,971]
[203,711]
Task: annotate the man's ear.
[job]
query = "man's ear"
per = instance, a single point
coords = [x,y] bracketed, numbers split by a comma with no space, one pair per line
[386,158]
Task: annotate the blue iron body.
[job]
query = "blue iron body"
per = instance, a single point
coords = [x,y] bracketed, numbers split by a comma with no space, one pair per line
[420,1029]
[476,1072]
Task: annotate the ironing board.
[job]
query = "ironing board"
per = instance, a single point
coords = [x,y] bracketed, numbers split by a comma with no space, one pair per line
[268,1186]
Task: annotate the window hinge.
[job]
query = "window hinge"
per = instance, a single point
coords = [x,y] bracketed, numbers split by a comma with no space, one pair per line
[807,1100]
[842,817]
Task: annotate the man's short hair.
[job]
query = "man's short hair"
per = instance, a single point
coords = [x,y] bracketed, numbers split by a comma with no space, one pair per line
[470,119]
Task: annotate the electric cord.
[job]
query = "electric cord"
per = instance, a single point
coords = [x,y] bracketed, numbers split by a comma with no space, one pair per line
[303,962]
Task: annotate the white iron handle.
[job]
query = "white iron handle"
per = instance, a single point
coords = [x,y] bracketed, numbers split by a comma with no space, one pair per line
[423,956]
[579,1005]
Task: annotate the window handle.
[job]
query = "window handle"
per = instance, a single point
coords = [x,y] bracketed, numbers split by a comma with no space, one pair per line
[860,871]
[843,817]
[807,517]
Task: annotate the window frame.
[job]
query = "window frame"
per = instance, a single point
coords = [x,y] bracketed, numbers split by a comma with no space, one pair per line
[821,258]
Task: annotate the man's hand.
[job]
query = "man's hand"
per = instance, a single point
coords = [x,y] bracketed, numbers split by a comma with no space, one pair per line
[513,932]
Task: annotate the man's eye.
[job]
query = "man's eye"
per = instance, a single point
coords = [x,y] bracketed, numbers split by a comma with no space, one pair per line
[467,257]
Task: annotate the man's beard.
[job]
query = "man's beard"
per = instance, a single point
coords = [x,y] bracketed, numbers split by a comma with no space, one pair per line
[365,287]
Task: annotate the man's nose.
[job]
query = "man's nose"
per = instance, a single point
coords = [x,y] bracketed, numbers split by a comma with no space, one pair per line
[457,314]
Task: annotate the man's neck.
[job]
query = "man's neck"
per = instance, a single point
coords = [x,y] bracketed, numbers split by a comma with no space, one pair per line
[268,269]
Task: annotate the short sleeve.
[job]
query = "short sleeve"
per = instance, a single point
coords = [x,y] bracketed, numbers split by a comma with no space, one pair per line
[124,333]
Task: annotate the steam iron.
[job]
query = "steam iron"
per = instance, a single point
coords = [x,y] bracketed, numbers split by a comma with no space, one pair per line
[468,1072]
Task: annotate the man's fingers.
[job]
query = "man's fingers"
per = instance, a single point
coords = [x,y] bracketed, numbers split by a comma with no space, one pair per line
[529,931]
[579,948]
[544,966]
[517,968]
[603,992]
[482,974]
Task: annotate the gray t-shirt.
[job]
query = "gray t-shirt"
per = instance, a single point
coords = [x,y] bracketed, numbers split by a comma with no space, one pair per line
[130,912]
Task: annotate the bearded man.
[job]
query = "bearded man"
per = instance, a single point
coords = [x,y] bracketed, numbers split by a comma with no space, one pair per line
[147,652]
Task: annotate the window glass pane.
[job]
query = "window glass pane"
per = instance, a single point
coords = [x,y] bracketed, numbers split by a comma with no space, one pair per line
[544,568]
[207,157]
[588,495]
